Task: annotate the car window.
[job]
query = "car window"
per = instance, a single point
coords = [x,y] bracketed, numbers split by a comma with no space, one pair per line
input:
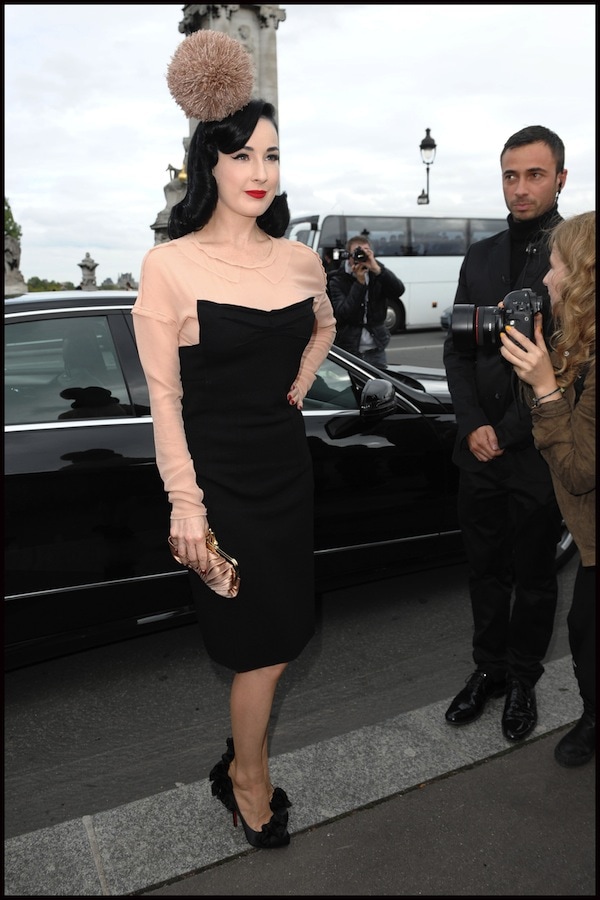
[62,368]
[332,389]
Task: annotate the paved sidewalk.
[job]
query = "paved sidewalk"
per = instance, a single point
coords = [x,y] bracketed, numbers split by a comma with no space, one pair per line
[515,824]
[408,807]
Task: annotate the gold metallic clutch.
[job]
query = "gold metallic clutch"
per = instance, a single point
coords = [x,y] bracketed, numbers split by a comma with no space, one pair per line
[222,575]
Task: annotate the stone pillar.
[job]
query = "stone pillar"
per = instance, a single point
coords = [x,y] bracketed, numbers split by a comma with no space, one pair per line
[88,277]
[14,283]
[255,26]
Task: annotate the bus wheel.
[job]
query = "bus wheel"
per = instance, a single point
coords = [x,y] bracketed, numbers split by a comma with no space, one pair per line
[395,319]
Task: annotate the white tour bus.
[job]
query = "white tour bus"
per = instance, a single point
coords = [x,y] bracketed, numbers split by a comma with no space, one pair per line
[425,253]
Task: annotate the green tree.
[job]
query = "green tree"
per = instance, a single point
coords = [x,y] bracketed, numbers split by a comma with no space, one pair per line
[10,226]
[35,284]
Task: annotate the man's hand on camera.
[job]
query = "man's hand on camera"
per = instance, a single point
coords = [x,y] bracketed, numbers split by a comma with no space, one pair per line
[361,266]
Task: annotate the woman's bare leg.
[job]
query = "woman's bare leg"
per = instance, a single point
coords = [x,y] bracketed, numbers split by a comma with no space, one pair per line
[251,702]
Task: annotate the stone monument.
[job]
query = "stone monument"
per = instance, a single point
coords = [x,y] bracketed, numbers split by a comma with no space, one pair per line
[88,277]
[255,26]
[14,283]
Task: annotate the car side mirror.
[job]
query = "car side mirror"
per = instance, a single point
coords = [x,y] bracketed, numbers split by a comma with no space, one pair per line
[377,399]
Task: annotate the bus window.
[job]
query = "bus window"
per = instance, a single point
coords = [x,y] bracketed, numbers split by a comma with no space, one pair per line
[387,234]
[485,228]
[438,237]
[333,232]
[303,230]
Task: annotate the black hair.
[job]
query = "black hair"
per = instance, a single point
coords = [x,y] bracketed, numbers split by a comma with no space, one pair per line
[531,135]
[226,135]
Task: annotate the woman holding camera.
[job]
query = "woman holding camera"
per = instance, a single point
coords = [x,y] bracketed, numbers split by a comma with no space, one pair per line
[359,291]
[562,395]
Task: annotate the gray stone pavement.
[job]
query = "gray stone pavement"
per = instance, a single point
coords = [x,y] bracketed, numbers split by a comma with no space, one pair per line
[408,807]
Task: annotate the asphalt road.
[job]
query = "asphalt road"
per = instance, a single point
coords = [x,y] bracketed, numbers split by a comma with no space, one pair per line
[103,728]
[417,348]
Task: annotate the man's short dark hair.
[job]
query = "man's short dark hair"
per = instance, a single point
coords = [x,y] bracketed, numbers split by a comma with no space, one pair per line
[358,239]
[533,134]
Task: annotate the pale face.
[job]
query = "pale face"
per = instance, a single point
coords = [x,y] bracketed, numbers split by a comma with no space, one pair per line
[554,278]
[530,181]
[247,180]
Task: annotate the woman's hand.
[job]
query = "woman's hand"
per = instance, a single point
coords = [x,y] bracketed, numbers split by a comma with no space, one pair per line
[531,361]
[295,397]
[188,539]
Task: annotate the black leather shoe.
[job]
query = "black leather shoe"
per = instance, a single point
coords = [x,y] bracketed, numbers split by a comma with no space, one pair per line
[578,745]
[520,711]
[469,703]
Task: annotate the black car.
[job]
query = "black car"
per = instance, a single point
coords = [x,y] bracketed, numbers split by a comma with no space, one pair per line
[446,318]
[86,554]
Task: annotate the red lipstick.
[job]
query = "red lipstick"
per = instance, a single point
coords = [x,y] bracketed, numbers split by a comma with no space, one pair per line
[257,194]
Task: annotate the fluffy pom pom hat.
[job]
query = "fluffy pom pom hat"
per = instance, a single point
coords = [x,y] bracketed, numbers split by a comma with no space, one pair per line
[210,76]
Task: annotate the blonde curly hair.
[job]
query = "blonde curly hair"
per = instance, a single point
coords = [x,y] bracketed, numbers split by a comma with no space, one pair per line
[574,340]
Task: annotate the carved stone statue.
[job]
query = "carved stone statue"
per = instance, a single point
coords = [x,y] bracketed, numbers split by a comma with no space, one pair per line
[88,278]
[174,192]
[14,283]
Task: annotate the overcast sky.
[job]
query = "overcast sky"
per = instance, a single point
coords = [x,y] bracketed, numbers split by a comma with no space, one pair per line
[90,126]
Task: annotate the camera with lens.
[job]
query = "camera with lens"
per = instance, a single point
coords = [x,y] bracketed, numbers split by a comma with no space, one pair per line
[480,326]
[356,254]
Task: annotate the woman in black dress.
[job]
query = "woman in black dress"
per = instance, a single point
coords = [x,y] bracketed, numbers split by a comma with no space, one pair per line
[232,322]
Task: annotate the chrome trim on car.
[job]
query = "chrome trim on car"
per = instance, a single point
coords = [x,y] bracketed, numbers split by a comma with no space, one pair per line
[79,423]
[402,540]
[67,309]
[87,586]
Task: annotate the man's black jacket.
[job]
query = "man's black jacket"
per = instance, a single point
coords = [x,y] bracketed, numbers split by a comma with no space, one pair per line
[348,297]
[483,386]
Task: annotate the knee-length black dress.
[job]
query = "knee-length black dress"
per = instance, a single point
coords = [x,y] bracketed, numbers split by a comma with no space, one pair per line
[253,464]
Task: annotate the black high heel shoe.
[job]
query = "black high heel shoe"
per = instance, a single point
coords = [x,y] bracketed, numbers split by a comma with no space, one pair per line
[273,834]
[222,787]
[279,800]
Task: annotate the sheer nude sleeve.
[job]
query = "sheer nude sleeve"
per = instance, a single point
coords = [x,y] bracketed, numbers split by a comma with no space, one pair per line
[158,323]
[325,325]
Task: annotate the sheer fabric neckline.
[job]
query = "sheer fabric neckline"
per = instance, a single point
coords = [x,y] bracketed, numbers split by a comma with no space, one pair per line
[219,256]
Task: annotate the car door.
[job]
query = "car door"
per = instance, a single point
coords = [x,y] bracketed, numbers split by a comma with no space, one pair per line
[86,517]
[381,488]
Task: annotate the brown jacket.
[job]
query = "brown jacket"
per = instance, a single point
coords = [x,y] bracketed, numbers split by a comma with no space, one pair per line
[564,432]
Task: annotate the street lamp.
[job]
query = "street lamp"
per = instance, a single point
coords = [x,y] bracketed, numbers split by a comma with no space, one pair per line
[427,148]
